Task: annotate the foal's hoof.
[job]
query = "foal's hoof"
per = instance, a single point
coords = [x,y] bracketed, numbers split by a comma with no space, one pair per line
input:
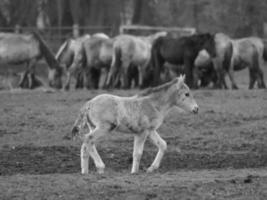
[151,169]
[84,172]
[100,170]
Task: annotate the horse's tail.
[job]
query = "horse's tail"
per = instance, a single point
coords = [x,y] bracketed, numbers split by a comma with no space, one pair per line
[228,56]
[45,50]
[62,49]
[154,63]
[115,66]
[265,50]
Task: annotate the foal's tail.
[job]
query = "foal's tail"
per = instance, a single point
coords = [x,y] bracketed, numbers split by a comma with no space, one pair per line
[78,125]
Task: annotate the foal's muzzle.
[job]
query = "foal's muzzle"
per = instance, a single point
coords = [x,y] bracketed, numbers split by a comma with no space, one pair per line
[195,110]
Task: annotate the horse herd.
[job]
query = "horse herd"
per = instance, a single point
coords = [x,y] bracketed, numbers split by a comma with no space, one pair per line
[125,61]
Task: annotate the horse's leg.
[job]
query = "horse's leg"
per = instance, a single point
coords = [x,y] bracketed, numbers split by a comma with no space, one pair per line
[195,77]
[261,82]
[220,73]
[260,76]
[224,82]
[103,77]
[96,78]
[31,68]
[125,71]
[139,141]
[136,80]
[24,77]
[79,80]
[189,72]
[89,77]
[89,149]
[68,79]
[162,147]
[69,74]
[221,79]
[252,78]
[232,78]
[141,74]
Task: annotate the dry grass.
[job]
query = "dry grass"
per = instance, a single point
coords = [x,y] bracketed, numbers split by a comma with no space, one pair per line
[223,149]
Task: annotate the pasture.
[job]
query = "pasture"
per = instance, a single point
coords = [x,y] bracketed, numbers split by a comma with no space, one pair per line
[221,153]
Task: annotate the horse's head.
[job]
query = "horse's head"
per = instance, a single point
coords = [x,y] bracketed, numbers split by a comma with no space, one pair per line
[183,96]
[203,58]
[209,44]
[55,77]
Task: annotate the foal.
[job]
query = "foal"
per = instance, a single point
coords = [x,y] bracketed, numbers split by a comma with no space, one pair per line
[140,115]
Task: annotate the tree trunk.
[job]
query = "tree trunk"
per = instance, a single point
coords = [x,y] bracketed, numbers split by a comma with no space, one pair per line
[138,6]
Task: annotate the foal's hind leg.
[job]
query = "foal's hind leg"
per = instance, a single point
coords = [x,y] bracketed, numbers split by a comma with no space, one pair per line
[89,149]
[162,147]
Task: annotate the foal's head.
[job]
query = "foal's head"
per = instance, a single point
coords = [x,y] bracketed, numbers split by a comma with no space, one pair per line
[183,97]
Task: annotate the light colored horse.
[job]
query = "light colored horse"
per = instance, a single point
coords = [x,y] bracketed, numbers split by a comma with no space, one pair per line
[29,48]
[140,115]
[98,52]
[248,52]
[69,51]
[131,50]
[237,54]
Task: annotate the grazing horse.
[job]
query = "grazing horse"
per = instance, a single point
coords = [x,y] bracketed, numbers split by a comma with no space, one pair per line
[140,115]
[238,54]
[129,51]
[29,48]
[180,51]
[67,53]
[206,71]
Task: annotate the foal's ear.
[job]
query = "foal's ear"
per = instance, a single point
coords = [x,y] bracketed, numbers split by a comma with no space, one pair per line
[180,80]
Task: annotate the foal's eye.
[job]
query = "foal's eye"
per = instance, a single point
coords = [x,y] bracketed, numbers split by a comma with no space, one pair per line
[187,94]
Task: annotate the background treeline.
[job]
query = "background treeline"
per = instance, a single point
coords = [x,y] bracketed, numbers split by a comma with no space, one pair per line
[234,17]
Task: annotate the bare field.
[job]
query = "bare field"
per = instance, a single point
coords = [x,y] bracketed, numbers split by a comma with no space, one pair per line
[223,149]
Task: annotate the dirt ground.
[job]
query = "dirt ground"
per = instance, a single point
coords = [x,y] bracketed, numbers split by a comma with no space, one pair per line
[223,149]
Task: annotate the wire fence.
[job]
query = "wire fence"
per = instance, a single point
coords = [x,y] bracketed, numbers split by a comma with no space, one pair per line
[55,36]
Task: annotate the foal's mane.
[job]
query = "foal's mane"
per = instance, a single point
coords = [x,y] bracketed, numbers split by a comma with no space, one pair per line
[157,89]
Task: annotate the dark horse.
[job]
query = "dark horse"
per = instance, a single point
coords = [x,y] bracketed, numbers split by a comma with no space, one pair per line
[180,51]
[29,48]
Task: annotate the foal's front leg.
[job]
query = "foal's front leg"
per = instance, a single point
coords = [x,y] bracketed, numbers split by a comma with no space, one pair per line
[162,147]
[139,141]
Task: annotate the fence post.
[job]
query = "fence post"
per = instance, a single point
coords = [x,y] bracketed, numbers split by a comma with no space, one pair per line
[17,29]
[75,30]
